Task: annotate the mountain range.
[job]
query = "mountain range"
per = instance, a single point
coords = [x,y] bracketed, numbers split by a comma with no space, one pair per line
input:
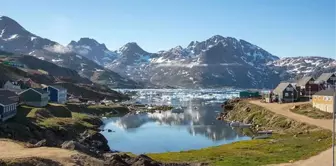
[213,63]
[16,39]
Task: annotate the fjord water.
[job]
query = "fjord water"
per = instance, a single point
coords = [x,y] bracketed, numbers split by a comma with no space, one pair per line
[195,128]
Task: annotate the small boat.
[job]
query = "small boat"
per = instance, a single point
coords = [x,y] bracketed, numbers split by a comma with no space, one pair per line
[234,124]
[104,117]
[242,125]
[238,124]
[265,132]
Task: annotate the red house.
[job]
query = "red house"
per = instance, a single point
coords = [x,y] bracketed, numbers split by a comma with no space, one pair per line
[307,86]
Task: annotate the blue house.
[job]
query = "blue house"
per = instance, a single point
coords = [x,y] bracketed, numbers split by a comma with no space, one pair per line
[57,94]
[7,108]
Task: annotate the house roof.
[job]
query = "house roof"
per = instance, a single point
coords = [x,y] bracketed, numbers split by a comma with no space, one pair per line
[281,87]
[324,77]
[328,92]
[58,87]
[5,101]
[303,81]
[7,93]
[38,90]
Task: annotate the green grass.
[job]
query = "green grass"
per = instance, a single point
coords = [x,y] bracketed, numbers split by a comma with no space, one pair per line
[310,111]
[279,149]
[65,123]
[54,116]
[291,141]
[99,110]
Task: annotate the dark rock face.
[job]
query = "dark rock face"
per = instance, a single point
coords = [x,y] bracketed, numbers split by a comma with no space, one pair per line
[96,141]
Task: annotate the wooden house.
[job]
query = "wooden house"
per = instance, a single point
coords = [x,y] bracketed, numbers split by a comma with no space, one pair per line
[12,86]
[286,92]
[8,104]
[324,100]
[327,80]
[9,94]
[307,86]
[36,97]
[57,94]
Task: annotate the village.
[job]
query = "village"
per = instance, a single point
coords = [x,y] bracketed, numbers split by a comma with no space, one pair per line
[319,91]
[23,92]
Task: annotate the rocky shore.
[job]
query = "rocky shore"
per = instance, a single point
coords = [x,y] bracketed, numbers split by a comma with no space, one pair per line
[66,127]
[43,127]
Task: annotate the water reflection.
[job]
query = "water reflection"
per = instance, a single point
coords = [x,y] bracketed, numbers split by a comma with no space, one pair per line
[195,128]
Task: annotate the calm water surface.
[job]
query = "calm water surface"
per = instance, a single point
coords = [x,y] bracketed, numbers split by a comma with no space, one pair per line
[195,128]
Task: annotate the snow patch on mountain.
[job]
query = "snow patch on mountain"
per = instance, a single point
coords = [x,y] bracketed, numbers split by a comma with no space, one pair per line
[12,37]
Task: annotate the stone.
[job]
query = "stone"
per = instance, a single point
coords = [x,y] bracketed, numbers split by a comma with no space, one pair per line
[41,143]
[294,107]
[70,145]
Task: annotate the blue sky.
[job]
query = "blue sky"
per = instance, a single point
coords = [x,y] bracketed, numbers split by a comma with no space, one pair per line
[282,27]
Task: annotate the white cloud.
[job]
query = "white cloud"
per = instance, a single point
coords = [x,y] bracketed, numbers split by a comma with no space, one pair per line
[57,48]
[83,52]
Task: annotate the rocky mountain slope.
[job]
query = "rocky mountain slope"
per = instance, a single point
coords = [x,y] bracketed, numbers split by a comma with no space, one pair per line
[216,62]
[297,67]
[213,63]
[15,38]
[93,50]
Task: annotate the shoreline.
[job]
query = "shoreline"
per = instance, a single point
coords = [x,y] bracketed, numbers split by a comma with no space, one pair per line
[85,136]
[60,129]
[291,140]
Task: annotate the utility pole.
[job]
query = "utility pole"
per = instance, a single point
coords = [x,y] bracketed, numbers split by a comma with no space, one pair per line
[333,133]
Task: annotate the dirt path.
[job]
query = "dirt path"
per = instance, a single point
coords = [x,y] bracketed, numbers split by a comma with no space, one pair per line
[322,159]
[13,150]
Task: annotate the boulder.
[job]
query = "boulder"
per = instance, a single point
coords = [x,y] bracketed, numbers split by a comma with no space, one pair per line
[143,160]
[41,143]
[97,141]
[116,159]
[73,145]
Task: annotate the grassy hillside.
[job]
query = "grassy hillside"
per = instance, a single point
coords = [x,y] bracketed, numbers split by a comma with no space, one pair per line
[310,111]
[68,78]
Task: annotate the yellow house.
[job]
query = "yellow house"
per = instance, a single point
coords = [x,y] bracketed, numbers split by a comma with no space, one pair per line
[324,100]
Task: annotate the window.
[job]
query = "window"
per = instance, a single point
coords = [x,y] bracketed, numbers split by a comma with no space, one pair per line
[289,89]
[286,94]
